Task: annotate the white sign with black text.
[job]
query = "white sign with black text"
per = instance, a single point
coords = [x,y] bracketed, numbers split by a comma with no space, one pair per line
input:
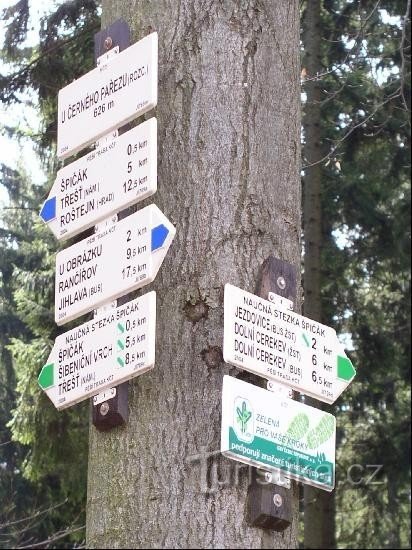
[104,352]
[107,97]
[283,346]
[119,259]
[117,174]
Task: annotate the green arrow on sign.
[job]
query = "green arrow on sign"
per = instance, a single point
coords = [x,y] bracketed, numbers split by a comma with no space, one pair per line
[346,370]
[46,376]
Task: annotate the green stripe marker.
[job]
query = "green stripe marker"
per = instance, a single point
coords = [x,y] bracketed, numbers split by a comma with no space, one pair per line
[306,339]
[120,361]
[346,371]
[120,344]
[120,327]
[46,376]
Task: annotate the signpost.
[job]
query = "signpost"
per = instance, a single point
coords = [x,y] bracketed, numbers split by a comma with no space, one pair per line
[110,178]
[278,434]
[119,259]
[283,346]
[119,343]
[107,97]
[101,353]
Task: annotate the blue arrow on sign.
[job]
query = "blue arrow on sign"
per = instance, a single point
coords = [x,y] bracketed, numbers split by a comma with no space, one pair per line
[48,212]
[159,235]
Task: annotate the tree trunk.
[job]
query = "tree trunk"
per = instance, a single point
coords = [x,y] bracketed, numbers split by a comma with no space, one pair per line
[228,171]
[319,511]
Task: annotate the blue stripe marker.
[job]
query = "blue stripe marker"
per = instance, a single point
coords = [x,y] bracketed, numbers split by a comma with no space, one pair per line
[159,235]
[48,212]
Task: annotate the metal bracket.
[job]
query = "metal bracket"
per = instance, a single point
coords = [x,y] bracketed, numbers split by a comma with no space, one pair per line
[107,56]
[282,391]
[110,408]
[277,478]
[105,396]
[279,301]
[269,501]
[108,137]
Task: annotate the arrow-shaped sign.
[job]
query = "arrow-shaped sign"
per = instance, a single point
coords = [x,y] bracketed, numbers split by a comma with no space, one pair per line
[117,260]
[283,346]
[114,176]
[114,93]
[110,349]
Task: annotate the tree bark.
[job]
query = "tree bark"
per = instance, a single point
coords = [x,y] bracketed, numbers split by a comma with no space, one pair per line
[319,510]
[229,179]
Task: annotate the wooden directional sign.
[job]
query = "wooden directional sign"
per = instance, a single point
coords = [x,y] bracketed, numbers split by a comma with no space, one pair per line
[283,346]
[278,434]
[114,93]
[111,263]
[102,353]
[114,176]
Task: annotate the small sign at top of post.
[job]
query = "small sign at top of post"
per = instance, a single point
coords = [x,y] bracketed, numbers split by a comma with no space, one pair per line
[114,93]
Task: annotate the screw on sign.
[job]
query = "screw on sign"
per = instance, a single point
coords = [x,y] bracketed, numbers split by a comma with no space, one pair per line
[277,500]
[281,283]
[278,479]
[104,408]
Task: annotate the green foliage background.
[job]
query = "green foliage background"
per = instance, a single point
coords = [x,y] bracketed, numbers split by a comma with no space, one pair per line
[365,127]
[43,452]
